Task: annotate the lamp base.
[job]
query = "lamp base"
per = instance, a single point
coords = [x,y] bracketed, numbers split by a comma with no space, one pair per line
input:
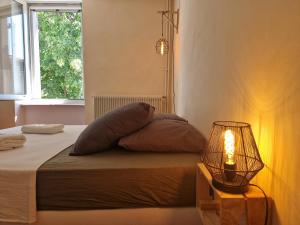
[230,188]
[229,171]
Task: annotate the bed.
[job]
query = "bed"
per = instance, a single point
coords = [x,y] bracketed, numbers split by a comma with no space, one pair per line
[113,187]
[116,179]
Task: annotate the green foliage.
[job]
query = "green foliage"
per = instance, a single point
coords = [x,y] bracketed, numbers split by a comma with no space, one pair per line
[60,54]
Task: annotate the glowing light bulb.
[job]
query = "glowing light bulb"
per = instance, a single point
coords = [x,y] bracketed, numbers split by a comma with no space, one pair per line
[162,48]
[229,142]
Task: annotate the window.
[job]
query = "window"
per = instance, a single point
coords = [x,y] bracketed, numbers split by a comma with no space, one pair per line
[57,52]
[12,49]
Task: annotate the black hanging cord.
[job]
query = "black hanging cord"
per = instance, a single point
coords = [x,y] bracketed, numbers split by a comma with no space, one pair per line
[162,24]
[267,204]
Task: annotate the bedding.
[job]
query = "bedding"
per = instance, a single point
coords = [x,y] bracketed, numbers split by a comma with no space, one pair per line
[116,179]
[105,131]
[168,116]
[165,136]
[18,171]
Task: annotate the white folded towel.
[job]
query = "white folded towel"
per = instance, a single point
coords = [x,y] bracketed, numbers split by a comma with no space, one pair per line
[43,128]
[12,144]
[4,137]
[5,148]
[11,141]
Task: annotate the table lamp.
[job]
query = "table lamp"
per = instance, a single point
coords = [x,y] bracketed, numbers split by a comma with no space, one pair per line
[232,157]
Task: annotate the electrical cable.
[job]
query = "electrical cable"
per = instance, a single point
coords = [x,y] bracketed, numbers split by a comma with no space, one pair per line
[171,60]
[173,70]
[173,78]
[162,24]
[267,204]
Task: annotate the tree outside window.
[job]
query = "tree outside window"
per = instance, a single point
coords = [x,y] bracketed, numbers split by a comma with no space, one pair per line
[60,54]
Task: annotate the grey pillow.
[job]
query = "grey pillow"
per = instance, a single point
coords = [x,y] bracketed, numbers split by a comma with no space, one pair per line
[165,136]
[105,131]
[168,116]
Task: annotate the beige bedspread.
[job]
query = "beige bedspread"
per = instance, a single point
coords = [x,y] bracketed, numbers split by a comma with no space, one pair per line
[18,171]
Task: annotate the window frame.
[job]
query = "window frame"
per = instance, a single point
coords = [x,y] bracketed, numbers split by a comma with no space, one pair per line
[35,81]
[26,57]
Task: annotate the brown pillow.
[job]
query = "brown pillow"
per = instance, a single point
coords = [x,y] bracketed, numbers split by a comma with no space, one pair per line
[105,131]
[165,136]
[168,116]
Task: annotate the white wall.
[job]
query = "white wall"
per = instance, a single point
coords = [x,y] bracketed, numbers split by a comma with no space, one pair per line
[65,114]
[119,55]
[240,60]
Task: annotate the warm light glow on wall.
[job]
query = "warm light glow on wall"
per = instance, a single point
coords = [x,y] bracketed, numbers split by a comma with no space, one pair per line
[252,75]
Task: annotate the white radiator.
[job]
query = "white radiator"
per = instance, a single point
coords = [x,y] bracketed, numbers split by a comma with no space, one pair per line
[104,104]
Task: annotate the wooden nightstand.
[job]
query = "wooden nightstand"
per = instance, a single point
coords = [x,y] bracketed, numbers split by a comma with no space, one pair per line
[219,208]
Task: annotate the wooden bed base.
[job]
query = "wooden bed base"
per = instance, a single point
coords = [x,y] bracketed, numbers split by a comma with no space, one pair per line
[140,216]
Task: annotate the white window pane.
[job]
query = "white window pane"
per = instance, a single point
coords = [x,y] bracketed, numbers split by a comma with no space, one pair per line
[12,60]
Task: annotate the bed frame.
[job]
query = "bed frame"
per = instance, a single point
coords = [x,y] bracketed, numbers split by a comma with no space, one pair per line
[139,216]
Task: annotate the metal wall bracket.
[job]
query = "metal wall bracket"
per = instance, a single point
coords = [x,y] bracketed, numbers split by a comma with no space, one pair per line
[172,17]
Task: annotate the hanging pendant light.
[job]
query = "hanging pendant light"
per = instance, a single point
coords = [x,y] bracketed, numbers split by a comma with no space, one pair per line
[162,45]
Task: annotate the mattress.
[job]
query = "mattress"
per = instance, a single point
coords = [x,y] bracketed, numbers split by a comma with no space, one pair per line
[117,179]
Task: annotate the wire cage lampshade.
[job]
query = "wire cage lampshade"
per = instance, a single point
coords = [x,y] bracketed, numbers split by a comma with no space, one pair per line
[162,46]
[232,157]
